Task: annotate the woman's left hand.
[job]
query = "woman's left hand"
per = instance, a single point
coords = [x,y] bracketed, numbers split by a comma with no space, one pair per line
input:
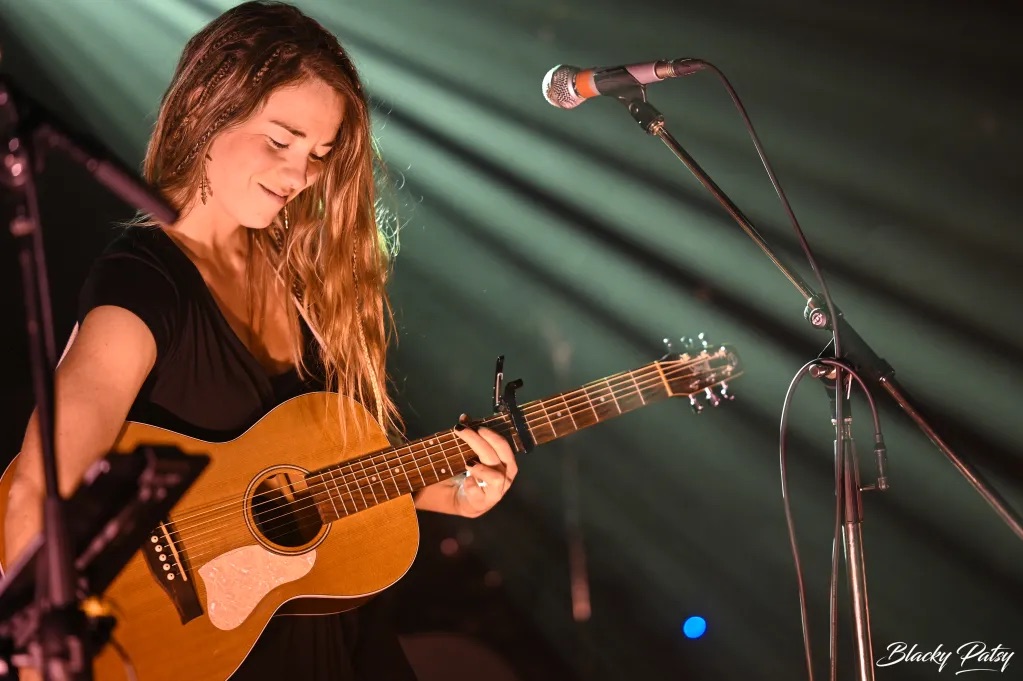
[487,481]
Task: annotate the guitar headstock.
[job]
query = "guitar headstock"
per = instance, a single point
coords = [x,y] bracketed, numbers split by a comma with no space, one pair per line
[700,371]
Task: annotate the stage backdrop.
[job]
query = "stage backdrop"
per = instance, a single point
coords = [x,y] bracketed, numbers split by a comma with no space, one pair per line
[573,243]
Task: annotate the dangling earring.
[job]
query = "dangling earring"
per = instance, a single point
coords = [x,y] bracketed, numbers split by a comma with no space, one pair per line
[204,183]
[285,218]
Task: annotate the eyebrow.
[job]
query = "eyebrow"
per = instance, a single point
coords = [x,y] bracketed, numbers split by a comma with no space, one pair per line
[298,133]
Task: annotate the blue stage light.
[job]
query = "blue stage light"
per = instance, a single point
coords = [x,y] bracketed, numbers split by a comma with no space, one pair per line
[694,627]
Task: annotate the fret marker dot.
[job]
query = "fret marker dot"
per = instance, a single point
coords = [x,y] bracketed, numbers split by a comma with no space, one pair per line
[558,414]
[433,442]
[373,478]
[443,471]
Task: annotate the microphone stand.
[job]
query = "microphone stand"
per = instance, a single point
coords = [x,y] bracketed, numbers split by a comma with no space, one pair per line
[27,132]
[858,355]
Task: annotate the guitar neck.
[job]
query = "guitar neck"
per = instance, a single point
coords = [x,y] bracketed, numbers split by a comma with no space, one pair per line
[358,484]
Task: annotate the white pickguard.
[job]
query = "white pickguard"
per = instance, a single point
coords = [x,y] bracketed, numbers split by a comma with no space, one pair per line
[238,580]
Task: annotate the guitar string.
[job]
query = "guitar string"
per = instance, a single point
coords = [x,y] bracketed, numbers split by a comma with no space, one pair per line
[446,439]
[361,488]
[429,450]
[196,550]
[423,442]
[531,411]
[199,554]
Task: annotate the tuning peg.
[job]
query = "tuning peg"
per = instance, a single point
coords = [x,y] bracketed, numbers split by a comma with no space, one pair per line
[695,404]
[703,343]
[667,345]
[725,395]
[687,343]
[712,397]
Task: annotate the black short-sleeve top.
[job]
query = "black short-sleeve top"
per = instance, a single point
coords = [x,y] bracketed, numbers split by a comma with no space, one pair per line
[205,384]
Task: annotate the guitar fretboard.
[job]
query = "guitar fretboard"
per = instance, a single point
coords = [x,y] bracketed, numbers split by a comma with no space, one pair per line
[361,483]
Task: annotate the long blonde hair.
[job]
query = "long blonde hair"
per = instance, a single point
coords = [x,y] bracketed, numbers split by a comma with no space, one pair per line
[333,255]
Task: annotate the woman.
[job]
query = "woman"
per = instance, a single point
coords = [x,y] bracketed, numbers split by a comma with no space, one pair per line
[271,284]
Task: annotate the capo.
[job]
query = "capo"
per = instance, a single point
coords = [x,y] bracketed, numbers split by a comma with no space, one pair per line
[517,418]
[506,403]
[498,379]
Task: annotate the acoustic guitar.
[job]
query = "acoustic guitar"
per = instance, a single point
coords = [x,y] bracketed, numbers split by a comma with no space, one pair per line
[286,520]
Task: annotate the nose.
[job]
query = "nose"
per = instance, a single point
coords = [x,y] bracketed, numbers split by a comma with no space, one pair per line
[295,175]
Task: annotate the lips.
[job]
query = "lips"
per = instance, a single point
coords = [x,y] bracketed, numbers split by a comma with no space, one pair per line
[280,199]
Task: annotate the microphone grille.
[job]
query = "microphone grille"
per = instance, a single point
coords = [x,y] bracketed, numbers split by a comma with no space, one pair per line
[559,87]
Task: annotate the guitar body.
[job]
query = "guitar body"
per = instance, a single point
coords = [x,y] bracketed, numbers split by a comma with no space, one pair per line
[229,558]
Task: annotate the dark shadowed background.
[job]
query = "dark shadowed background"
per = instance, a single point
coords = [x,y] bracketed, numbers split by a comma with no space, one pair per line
[573,243]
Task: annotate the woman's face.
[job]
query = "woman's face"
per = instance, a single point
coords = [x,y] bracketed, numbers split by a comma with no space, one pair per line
[256,167]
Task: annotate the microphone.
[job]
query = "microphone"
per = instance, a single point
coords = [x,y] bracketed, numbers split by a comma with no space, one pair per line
[567,87]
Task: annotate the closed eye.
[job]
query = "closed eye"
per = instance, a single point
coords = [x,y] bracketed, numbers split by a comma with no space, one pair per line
[281,145]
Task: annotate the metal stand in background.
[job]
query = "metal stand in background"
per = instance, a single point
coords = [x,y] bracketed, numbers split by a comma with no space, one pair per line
[27,132]
[575,539]
[856,354]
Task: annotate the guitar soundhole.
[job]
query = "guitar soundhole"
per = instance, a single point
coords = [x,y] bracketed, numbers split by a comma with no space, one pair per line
[284,512]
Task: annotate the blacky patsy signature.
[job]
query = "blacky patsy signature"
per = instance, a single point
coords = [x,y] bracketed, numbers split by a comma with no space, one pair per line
[972,656]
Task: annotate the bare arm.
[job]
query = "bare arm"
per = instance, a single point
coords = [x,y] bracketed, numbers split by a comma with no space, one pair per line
[99,376]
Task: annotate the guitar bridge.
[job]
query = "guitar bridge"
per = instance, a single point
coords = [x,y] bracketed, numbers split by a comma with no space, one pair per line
[169,566]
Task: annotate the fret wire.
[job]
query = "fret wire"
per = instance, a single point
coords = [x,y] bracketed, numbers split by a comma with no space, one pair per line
[596,416]
[388,471]
[613,398]
[500,421]
[347,489]
[348,486]
[459,442]
[379,480]
[371,490]
[446,470]
[331,497]
[554,430]
[430,459]
[633,377]
[335,470]
[396,463]
[415,464]
[564,400]
[358,487]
